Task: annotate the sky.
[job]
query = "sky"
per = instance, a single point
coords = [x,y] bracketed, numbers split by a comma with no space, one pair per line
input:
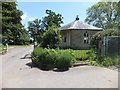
[68,10]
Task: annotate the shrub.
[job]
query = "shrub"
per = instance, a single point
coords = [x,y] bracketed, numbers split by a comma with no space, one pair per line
[107,61]
[51,38]
[65,60]
[92,62]
[50,58]
[116,60]
[47,58]
[36,52]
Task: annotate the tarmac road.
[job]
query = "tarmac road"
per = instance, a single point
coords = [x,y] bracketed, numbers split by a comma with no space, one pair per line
[16,73]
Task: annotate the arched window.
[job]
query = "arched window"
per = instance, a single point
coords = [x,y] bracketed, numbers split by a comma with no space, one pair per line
[86,39]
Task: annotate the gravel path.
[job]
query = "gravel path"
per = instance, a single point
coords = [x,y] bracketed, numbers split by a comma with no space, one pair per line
[16,73]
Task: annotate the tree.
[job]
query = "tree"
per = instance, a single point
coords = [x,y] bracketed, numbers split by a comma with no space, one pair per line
[51,38]
[35,29]
[12,29]
[104,15]
[51,19]
[25,38]
[118,8]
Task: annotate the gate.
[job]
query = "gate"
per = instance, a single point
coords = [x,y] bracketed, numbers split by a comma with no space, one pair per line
[110,46]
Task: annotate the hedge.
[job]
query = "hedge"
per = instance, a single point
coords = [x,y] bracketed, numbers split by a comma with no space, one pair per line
[51,58]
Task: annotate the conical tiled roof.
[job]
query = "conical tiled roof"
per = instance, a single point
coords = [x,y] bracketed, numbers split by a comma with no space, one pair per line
[79,25]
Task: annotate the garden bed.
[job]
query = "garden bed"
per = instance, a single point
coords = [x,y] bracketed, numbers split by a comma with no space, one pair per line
[47,59]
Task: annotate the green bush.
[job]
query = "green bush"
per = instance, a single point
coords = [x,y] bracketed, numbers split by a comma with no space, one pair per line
[65,60]
[50,58]
[51,38]
[116,60]
[107,61]
[36,53]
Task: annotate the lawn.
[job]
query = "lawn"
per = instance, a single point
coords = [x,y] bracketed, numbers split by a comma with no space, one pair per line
[1,48]
[10,46]
[81,54]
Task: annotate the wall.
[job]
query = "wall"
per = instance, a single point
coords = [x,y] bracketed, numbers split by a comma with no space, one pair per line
[65,33]
[77,38]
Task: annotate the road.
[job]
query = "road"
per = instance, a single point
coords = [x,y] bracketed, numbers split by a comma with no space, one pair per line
[17,73]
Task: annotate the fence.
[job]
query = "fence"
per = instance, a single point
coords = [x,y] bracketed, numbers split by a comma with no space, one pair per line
[110,46]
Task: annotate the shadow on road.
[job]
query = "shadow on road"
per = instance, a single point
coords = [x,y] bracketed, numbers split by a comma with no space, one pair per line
[27,56]
[30,64]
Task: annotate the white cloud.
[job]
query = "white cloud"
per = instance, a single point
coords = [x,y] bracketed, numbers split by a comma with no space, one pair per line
[24,16]
[28,17]
[32,18]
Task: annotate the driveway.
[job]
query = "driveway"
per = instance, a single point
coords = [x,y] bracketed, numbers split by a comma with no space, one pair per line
[17,73]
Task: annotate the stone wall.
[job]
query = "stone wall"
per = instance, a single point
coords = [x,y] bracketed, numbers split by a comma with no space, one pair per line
[75,38]
[65,33]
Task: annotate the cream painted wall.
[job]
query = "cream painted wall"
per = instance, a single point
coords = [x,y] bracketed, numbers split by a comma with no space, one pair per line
[75,38]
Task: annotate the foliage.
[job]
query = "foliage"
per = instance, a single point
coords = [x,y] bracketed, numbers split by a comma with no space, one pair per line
[51,19]
[104,15]
[36,52]
[47,58]
[51,38]
[81,54]
[116,60]
[106,61]
[65,60]
[97,37]
[51,57]
[12,29]
[35,30]
[92,62]
[25,39]
[62,59]
[2,48]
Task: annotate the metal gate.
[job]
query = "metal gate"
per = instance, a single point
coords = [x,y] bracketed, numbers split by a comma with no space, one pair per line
[110,46]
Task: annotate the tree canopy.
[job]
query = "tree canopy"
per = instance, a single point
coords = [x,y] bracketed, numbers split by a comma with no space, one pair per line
[50,19]
[49,26]
[12,28]
[104,15]
[35,30]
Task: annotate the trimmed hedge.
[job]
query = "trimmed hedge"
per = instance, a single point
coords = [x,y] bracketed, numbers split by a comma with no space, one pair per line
[51,58]
[65,59]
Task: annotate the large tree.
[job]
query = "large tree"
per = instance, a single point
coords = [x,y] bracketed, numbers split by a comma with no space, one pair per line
[104,15]
[51,19]
[35,30]
[12,29]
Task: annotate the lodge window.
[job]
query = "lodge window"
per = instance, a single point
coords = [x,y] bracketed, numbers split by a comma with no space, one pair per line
[86,40]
